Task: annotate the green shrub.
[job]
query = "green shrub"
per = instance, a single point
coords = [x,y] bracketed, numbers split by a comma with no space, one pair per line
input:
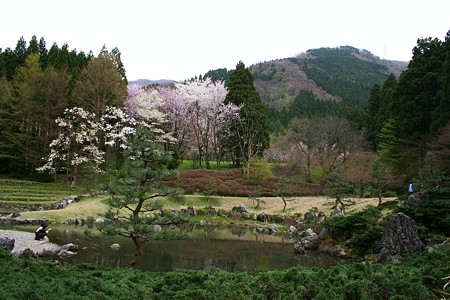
[259,169]
[343,228]
[367,242]
[433,214]
[416,277]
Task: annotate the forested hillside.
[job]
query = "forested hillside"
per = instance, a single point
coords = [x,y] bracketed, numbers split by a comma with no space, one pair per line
[316,81]
[344,74]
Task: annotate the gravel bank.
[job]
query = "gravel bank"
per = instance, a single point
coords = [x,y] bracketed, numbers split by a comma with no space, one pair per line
[24,240]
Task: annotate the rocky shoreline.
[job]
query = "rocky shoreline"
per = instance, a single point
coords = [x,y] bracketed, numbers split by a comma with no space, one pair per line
[25,240]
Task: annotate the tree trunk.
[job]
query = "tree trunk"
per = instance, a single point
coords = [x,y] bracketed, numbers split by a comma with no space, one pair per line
[139,252]
[339,202]
[285,203]
[361,189]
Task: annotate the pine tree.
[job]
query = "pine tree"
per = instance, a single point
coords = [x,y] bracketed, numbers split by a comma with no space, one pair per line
[337,187]
[133,188]
[20,52]
[430,174]
[33,46]
[441,114]
[119,65]
[251,132]
[389,144]
[418,88]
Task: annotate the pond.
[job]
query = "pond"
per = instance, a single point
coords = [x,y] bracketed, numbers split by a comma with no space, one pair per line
[229,248]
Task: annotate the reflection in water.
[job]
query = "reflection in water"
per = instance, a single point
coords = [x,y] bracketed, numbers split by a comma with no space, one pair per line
[228,248]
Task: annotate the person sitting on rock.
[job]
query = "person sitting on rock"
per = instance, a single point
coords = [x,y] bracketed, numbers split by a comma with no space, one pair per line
[42,232]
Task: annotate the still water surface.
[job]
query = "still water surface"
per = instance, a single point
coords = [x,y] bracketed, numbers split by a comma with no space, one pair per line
[225,247]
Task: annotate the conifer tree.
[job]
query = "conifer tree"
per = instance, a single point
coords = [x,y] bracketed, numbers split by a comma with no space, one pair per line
[373,109]
[251,135]
[33,46]
[100,85]
[28,87]
[389,144]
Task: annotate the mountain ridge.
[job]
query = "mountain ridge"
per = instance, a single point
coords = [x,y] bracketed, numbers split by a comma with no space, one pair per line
[343,74]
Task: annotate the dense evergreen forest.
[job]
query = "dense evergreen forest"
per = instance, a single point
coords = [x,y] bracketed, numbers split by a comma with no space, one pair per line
[37,84]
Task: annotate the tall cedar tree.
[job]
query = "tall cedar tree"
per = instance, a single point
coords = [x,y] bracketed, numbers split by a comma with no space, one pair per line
[242,91]
[372,126]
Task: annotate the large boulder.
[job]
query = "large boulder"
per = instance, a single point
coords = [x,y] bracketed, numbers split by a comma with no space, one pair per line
[70,247]
[66,253]
[190,211]
[310,241]
[400,238]
[261,217]
[115,246]
[416,198]
[338,212]
[240,209]
[7,244]
[309,216]
[28,253]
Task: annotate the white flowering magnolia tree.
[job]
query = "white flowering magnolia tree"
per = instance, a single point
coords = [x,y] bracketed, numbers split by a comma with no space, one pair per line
[76,144]
[81,139]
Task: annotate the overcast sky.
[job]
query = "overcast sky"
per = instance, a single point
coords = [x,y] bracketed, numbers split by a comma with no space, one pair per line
[178,39]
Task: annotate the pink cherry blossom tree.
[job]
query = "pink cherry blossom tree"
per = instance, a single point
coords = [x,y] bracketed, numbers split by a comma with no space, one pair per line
[177,113]
[207,115]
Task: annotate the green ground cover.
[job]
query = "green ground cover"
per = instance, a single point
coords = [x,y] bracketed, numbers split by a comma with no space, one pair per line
[417,277]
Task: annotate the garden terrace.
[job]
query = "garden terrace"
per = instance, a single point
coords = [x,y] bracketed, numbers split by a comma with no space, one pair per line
[20,195]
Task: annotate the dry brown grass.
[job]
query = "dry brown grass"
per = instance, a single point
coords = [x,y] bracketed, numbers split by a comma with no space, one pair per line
[92,207]
[295,205]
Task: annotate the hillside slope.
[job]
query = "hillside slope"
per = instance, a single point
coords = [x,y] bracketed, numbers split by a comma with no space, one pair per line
[343,74]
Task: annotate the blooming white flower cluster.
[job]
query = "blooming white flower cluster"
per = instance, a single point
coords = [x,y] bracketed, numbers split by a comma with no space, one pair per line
[117,126]
[80,132]
[77,140]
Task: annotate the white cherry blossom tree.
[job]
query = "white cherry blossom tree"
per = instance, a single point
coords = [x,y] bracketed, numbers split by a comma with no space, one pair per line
[207,115]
